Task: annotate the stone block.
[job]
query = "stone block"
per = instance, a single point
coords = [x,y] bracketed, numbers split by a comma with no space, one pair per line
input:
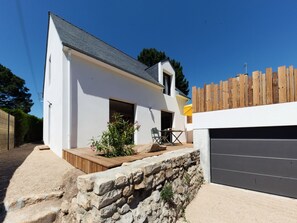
[124,209]
[168,173]
[156,197]
[83,199]
[159,178]
[137,176]
[128,190]
[130,199]
[120,202]
[126,218]
[65,207]
[108,211]
[85,184]
[152,168]
[102,185]
[147,148]
[180,189]
[121,180]
[106,199]
[116,216]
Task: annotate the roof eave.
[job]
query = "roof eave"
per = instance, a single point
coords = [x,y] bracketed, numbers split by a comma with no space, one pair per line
[182,96]
[135,76]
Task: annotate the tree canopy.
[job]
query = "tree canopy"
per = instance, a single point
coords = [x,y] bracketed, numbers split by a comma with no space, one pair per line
[13,92]
[151,56]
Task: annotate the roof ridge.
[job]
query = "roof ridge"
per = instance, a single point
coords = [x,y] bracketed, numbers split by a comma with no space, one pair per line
[51,13]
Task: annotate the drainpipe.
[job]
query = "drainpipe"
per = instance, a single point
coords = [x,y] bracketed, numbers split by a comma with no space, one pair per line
[69,99]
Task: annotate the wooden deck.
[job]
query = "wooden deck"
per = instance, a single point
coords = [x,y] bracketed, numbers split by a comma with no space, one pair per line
[87,161]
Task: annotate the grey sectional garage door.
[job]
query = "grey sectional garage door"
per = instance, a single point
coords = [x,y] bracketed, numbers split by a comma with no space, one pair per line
[261,159]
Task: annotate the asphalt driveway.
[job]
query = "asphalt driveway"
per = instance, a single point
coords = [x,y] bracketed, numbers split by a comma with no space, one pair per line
[218,203]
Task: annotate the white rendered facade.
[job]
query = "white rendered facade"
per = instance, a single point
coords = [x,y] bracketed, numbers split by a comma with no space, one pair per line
[77,93]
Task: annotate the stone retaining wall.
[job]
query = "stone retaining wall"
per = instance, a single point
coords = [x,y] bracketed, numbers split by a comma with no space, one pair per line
[132,192]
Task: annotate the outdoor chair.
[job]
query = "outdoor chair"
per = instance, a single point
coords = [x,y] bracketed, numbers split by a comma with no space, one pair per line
[157,136]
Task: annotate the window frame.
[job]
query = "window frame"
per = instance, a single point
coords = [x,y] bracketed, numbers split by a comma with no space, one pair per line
[167,82]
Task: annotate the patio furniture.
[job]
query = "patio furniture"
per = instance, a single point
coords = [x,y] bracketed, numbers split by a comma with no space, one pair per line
[174,133]
[157,137]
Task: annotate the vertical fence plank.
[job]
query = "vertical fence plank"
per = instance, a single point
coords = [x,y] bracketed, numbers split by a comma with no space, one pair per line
[275,87]
[260,89]
[198,109]
[291,84]
[194,99]
[207,99]
[264,100]
[295,83]
[242,85]
[211,96]
[202,103]
[256,88]
[11,132]
[234,92]
[216,97]
[6,131]
[246,90]
[269,91]
[230,102]
[282,84]
[221,95]
[287,84]
[225,95]
[250,91]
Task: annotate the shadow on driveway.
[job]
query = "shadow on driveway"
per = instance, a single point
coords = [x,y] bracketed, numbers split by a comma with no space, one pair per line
[9,162]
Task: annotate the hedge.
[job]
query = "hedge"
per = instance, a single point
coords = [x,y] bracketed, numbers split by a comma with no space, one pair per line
[28,128]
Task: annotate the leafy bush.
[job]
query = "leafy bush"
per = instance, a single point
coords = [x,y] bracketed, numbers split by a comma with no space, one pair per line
[167,193]
[117,140]
[35,130]
[27,128]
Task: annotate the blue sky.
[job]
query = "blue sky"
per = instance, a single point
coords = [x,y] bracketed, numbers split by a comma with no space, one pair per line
[211,39]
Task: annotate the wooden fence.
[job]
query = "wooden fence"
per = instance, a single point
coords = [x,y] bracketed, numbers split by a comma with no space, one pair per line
[6,131]
[244,90]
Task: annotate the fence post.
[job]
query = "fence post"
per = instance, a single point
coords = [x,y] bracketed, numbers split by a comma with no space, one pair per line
[8,131]
[194,99]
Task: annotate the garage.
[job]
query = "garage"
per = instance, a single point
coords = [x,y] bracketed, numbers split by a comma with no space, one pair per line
[262,159]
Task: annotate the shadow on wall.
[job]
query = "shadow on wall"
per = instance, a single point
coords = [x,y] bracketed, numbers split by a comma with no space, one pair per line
[9,162]
[100,82]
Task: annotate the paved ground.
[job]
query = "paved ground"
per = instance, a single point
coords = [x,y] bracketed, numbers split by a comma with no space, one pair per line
[9,162]
[31,175]
[217,203]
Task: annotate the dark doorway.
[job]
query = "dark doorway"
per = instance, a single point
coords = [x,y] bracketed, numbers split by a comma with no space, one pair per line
[123,108]
[166,122]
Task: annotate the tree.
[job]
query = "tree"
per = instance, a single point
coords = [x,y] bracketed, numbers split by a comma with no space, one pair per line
[13,92]
[151,56]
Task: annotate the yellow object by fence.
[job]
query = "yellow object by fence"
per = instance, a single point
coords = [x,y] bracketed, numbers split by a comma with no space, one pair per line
[188,110]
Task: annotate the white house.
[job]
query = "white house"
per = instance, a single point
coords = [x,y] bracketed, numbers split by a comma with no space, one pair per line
[86,81]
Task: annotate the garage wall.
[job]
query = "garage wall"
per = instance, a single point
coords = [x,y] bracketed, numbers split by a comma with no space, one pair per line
[259,116]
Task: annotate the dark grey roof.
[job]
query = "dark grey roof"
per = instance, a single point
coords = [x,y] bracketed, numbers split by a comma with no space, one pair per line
[77,39]
[181,93]
[153,71]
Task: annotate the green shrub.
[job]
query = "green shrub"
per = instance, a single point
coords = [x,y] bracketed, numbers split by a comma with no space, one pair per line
[28,128]
[117,140]
[35,130]
[167,193]
[21,125]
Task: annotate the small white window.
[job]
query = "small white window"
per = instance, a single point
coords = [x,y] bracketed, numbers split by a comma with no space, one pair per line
[167,84]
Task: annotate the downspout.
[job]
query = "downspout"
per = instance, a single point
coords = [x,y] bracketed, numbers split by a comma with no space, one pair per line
[69,99]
